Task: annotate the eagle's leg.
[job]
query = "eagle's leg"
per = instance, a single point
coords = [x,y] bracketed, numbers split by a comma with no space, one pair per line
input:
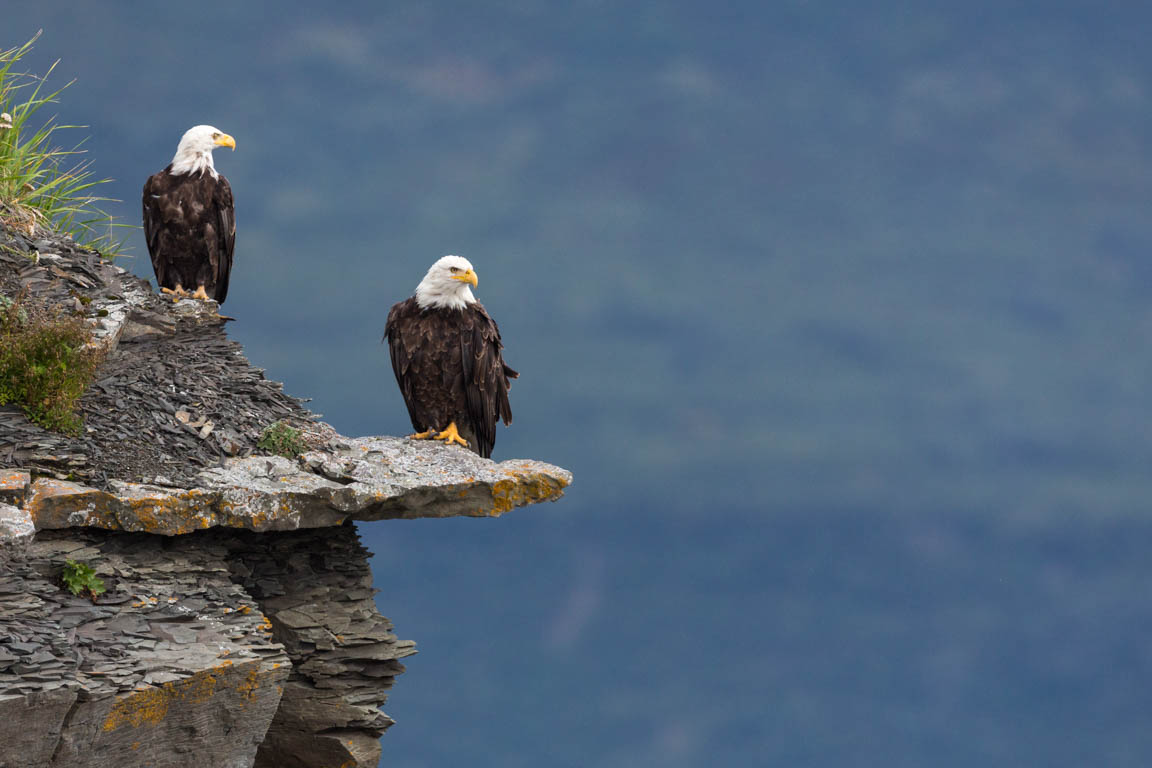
[201,294]
[427,435]
[450,435]
[177,293]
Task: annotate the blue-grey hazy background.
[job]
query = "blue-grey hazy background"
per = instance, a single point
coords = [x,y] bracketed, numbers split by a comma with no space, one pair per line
[839,312]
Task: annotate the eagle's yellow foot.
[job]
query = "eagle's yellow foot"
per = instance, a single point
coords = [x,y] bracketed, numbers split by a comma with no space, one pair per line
[422,435]
[201,294]
[450,435]
[176,293]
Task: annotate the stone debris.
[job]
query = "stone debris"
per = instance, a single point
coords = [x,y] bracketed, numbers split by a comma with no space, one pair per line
[163,360]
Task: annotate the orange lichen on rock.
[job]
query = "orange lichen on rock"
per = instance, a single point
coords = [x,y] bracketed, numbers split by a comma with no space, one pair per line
[10,480]
[149,706]
[240,514]
[522,489]
[154,511]
[145,707]
[63,504]
[250,684]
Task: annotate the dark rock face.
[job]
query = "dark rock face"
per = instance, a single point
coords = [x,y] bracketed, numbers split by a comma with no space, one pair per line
[344,654]
[229,648]
[173,665]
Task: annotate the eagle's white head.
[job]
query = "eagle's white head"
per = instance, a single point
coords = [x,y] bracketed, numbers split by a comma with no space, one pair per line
[195,150]
[446,284]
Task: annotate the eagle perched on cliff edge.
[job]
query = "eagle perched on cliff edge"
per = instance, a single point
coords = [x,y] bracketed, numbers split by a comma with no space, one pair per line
[448,359]
[189,220]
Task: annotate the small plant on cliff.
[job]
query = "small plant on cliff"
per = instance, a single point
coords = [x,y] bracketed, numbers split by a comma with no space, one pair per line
[80,579]
[41,184]
[46,363]
[282,440]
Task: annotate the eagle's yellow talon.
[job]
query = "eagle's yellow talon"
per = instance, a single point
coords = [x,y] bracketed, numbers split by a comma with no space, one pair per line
[450,435]
[201,294]
[422,435]
[176,293]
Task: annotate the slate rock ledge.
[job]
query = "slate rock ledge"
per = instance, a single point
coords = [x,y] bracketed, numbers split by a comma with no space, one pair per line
[377,478]
[239,625]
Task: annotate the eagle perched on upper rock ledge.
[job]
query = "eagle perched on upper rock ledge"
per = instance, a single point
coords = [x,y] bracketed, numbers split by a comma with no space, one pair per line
[189,220]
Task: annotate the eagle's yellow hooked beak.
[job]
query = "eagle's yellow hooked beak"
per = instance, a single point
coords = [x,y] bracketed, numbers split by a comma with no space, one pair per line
[468,277]
[224,140]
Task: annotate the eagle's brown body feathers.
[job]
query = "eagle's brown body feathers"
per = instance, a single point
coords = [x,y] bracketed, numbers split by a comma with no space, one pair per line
[190,226]
[450,367]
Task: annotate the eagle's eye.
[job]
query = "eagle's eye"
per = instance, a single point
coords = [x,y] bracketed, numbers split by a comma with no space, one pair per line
[453,270]
[216,135]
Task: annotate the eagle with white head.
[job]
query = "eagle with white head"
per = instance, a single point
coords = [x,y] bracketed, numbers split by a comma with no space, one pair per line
[190,220]
[449,361]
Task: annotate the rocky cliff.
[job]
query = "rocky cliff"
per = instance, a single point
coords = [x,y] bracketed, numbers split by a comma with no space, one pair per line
[238,626]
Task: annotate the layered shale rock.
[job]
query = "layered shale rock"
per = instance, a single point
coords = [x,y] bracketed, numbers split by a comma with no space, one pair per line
[174,665]
[239,625]
[174,394]
[344,654]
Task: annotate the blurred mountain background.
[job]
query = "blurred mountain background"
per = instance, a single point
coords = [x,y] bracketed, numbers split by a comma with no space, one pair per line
[838,311]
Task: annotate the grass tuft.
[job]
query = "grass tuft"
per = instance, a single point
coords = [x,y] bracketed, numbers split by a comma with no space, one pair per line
[79,578]
[282,440]
[42,186]
[46,363]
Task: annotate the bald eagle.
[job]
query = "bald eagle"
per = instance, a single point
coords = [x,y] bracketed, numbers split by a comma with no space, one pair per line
[448,360]
[189,221]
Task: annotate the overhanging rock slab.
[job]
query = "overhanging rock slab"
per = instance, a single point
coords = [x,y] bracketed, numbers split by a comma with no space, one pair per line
[370,478]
